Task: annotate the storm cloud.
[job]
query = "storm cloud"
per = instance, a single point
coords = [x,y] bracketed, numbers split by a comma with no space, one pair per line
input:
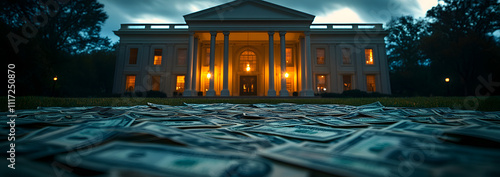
[172,11]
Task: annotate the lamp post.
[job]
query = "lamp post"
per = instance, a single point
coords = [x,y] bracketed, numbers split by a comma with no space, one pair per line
[447,80]
[54,85]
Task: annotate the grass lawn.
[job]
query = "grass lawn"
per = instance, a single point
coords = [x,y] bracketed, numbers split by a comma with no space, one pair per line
[479,103]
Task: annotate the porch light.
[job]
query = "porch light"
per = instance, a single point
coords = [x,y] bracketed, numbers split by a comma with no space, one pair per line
[209,75]
[286,75]
[248,67]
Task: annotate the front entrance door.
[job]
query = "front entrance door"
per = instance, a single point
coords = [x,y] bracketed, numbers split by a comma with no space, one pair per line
[248,85]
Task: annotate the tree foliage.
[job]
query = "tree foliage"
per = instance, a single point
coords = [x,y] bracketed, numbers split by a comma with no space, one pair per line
[71,26]
[461,43]
[456,38]
[44,37]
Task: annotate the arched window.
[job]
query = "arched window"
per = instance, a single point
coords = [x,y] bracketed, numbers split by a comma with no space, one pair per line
[248,61]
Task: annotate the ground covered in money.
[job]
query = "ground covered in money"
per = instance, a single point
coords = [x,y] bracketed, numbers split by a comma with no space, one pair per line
[252,140]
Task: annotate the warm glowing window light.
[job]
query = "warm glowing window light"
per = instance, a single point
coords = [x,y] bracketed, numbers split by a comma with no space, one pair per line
[155,84]
[130,83]
[321,83]
[289,57]
[369,56]
[248,59]
[55,78]
[347,82]
[447,80]
[179,86]
[158,56]
[287,75]
[209,75]
[370,83]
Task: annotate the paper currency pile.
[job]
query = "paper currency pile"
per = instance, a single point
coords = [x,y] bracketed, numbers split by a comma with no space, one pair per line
[238,140]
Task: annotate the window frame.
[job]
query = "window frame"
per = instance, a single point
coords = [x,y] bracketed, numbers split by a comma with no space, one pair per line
[242,68]
[375,80]
[343,82]
[177,49]
[314,55]
[176,83]
[374,55]
[127,83]
[153,82]
[161,55]
[139,55]
[326,85]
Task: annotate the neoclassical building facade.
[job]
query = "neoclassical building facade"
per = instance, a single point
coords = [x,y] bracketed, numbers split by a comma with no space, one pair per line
[251,48]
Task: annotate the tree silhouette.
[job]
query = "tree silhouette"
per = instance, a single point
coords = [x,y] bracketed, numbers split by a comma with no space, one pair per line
[43,36]
[409,66]
[462,44]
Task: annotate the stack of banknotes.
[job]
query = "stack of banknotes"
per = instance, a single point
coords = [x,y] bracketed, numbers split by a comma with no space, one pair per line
[244,140]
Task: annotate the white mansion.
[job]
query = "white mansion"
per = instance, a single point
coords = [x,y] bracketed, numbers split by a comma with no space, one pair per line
[251,48]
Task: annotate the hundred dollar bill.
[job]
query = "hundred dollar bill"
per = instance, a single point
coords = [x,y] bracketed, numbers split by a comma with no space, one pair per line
[195,123]
[474,121]
[337,122]
[336,164]
[489,132]
[219,134]
[186,137]
[119,121]
[307,132]
[285,123]
[64,140]
[403,148]
[169,161]
[408,126]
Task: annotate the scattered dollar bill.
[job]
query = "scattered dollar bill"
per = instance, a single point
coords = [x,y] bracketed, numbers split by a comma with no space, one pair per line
[223,139]
[308,132]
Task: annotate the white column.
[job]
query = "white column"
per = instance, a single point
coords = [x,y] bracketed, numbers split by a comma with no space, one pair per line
[283,91]
[271,92]
[188,79]
[225,90]
[211,91]
[309,77]
[194,75]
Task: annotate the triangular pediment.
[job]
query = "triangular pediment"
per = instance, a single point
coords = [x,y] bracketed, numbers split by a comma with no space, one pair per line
[249,10]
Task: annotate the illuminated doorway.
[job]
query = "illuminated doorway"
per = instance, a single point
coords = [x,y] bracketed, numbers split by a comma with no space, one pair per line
[248,85]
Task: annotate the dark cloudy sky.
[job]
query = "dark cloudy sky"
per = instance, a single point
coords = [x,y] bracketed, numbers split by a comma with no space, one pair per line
[326,11]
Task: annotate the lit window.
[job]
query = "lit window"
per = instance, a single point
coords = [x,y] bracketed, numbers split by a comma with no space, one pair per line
[321,83]
[130,83]
[346,56]
[206,61]
[155,83]
[320,56]
[347,79]
[179,86]
[158,55]
[133,56]
[248,59]
[369,56]
[181,56]
[370,83]
[289,57]
[289,81]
